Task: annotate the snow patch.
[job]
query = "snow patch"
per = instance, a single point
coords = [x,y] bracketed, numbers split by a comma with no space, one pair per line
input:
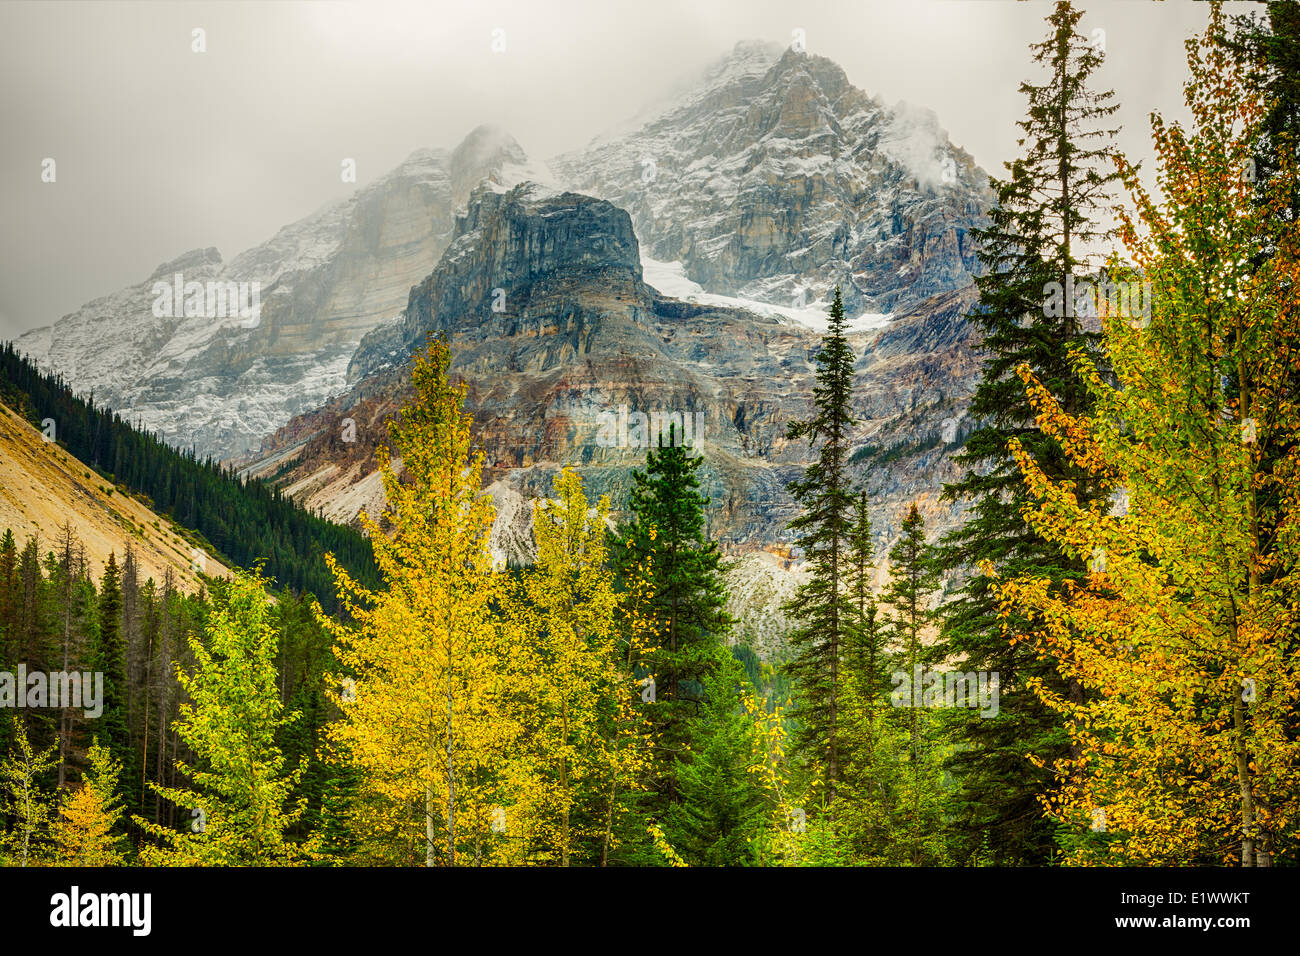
[670,279]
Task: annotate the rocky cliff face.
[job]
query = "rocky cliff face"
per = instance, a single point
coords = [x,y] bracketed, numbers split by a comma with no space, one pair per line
[775,179]
[769,181]
[580,342]
[220,383]
[497,273]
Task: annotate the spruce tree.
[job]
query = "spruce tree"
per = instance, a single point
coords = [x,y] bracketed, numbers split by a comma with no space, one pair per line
[866,760]
[667,533]
[1271,44]
[108,657]
[1049,212]
[10,596]
[867,658]
[721,809]
[914,579]
[822,605]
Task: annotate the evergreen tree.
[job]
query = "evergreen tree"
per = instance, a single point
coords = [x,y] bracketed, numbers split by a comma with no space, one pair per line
[913,581]
[1271,46]
[822,605]
[304,664]
[1049,210]
[667,533]
[334,841]
[867,659]
[10,595]
[721,810]
[108,657]
[873,745]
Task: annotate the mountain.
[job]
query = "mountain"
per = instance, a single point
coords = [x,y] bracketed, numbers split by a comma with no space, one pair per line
[775,179]
[220,383]
[555,329]
[581,339]
[43,488]
[770,180]
[691,286]
[563,307]
[558,334]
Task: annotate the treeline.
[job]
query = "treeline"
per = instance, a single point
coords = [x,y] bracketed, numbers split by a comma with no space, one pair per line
[244,521]
[132,641]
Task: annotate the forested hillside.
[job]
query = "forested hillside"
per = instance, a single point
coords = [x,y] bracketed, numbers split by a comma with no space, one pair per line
[244,522]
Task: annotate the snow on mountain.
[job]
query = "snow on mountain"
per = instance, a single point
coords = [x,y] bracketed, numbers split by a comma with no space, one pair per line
[670,279]
[220,382]
[775,180]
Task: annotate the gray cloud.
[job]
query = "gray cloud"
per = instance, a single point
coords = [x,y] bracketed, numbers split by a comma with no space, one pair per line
[160,150]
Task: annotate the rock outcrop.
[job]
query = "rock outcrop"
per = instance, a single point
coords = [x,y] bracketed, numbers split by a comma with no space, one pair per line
[775,179]
[581,343]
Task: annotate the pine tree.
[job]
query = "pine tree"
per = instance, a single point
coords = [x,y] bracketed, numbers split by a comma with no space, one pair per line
[873,746]
[1049,210]
[108,657]
[913,581]
[667,531]
[133,656]
[822,605]
[867,655]
[10,596]
[721,811]
[305,661]
[1271,46]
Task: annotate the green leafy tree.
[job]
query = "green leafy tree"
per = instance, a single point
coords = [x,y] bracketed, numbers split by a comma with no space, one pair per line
[239,806]
[26,798]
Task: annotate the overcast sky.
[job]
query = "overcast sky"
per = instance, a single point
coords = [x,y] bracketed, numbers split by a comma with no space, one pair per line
[160,150]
